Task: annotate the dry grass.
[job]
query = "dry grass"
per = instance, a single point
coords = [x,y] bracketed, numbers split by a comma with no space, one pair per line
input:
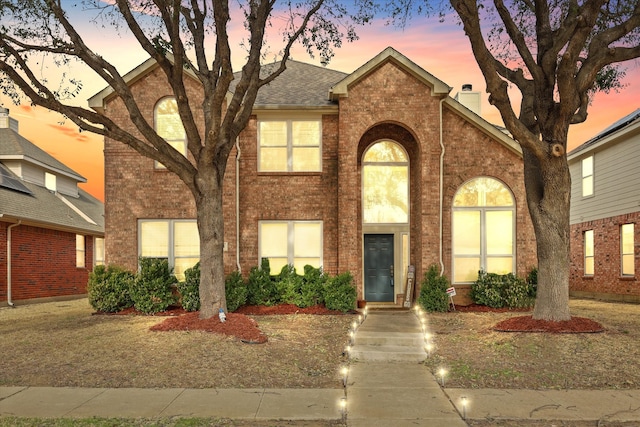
[478,357]
[63,344]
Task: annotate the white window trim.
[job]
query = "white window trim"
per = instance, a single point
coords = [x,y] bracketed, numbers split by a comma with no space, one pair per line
[622,253]
[289,122]
[592,176]
[290,239]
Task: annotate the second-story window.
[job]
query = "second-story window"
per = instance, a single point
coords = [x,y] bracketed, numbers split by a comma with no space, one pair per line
[289,146]
[169,126]
[587,176]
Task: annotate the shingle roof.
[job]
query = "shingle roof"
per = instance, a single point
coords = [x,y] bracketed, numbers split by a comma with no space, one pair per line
[12,144]
[614,127]
[300,85]
[49,209]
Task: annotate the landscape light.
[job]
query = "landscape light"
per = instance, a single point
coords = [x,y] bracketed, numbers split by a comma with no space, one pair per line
[428,347]
[427,337]
[442,372]
[343,407]
[345,374]
[464,407]
[354,325]
[351,337]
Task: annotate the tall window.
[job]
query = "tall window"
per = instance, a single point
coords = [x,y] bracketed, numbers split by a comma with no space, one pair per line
[177,241]
[483,229]
[385,184]
[169,126]
[587,176]
[589,260]
[80,251]
[98,251]
[627,254]
[297,243]
[50,182]
[289,146]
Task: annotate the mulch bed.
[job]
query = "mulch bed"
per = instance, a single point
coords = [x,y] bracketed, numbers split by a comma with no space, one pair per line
[577,325]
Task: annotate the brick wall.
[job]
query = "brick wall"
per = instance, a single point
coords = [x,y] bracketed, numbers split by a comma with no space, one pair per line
[43,263]
[607,281]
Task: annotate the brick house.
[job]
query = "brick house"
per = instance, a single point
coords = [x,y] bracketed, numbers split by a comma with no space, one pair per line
[51,232]
[367,172]
[605,213]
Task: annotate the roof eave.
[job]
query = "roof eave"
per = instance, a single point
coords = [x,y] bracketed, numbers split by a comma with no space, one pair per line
[33,161]
[630,129]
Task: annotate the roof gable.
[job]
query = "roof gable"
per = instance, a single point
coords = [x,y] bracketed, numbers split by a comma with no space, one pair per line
[341,89]
[614,132]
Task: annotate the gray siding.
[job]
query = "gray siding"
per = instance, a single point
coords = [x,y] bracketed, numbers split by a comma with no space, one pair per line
[616,175]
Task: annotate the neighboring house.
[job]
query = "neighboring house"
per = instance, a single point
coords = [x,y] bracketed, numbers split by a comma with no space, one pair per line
[367,172]
[605,213]
[51,232]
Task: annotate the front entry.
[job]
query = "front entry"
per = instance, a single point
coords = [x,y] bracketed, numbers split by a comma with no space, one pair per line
[378,268]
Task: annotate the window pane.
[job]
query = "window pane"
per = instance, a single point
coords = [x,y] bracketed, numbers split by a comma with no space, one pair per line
[588,266]
[154,239]
[306,133]
[276,264]
[299,263]
[385,152]
[466,233]
[307,240]
[466,269]
[306,159]
[587,166]
[273,159]
[182,264]
[483,191]
[273,134]
[587,186]
[186,240]
[386,194]
[627,248]
[499,232]
[273,240]
[588,243]
[168,123]
[99,250]
[500,265]
[80,251]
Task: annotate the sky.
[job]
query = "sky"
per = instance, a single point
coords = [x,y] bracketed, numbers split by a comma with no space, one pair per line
[441,49]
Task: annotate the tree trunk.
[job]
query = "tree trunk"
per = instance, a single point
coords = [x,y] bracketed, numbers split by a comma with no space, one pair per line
[211,229]
[548,186]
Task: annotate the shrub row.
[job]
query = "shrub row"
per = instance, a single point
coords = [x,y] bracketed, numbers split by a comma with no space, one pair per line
[504,290]
[151,290]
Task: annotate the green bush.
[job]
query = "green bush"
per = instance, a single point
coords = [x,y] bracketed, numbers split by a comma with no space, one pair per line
[312,287]
[190,289]
[502,290]
[340,293]
[153,288]
[261,287]
[235,290]
[108,288]
[433,291]
[288,285]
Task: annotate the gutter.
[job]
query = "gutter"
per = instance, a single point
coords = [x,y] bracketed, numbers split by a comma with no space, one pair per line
[441,190]
[9,302]
[238,153]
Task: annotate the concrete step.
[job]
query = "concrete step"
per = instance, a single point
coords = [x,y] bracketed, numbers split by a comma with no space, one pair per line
[389,338]
[387,353]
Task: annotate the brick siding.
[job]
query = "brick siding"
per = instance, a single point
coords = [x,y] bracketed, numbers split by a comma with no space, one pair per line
[43,263]
[607,281]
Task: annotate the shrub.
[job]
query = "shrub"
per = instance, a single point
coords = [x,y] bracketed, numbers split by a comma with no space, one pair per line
[433,291]
[312,287]
[190,289]
[153,288]
[108,288]
[506,290]
[288,285]
[261,287]
[340,293]
[235,290]
[532,281]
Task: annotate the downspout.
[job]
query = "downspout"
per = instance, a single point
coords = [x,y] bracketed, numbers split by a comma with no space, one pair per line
[238,153]
[9,302]
[441,188]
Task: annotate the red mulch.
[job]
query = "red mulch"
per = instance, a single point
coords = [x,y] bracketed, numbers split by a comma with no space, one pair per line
[238,323]
[577,325]
[477,308]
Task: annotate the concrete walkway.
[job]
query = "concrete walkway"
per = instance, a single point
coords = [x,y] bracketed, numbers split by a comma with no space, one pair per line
[400,392]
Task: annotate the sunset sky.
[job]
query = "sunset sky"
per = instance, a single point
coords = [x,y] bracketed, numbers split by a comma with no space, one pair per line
[441,49]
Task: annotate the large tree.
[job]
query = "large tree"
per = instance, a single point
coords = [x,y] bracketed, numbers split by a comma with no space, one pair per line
[179,35]
[542,62]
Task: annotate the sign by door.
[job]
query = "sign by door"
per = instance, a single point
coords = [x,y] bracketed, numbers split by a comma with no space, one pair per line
[408,293]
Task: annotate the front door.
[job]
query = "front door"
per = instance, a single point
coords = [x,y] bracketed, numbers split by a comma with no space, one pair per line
[378,267]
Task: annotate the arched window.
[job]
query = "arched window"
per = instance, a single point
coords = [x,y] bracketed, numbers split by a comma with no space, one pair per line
[169,126]
[483,229]
[385,183]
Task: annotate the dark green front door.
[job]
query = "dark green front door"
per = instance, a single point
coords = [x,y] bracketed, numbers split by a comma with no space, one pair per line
[378,267]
